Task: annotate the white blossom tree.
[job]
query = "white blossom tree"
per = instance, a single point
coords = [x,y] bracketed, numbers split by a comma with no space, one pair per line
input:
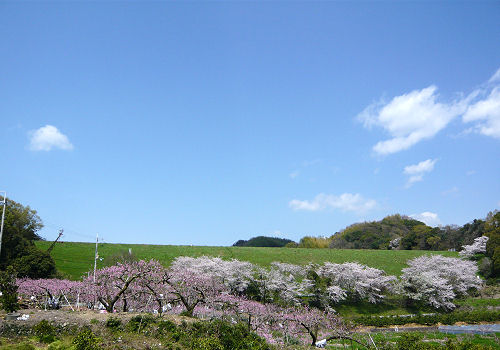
[477,247]
[436,280]
[234,274]
[356,281]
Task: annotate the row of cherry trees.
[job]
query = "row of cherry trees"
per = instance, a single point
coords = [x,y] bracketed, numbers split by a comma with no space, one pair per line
[285,299]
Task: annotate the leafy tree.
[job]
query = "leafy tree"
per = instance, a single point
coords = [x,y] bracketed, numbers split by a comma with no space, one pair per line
[8,287]
[263,241]
[314,242]
[492,230]
[18,248]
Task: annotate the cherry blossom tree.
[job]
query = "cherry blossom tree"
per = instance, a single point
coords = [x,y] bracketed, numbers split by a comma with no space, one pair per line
[356,281]
[477,247]
[115,283]
[190,287]
[317,324]
[436,280]
[234,274]
[53,289]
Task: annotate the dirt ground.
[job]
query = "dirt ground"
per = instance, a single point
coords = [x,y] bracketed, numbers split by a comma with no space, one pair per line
[78,318]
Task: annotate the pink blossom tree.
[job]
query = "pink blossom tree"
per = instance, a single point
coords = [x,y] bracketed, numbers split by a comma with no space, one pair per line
[114,284]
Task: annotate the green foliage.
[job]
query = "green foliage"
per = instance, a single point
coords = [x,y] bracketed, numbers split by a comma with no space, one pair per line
[86,340]
[18,248]
[263,241]
[140,322]
[224,336]
[492,230]
[210,342]
[413,234]
[44,332]
[113,323]
[410,341]
[314,242]
[378,234]
[8,287]
[35,264]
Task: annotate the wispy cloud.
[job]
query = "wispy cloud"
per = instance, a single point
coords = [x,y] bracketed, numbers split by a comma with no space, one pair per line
[486,114]
[417,171]
[344,202]
[495,77]
[47,138]
[305,164]
[418,115]
[453,190]
[428,218]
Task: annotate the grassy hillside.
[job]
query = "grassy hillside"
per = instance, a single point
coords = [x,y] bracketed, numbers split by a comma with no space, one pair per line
[75,259]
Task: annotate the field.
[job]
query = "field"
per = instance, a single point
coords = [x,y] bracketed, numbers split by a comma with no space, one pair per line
[76,259]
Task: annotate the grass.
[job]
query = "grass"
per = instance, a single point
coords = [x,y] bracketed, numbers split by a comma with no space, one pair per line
[428,337]
[75,259]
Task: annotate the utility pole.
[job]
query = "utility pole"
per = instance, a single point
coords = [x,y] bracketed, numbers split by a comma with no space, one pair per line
[54,243]
[95,257]
[4,203]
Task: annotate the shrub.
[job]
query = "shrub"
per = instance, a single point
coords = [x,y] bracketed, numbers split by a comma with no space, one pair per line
[139,322]
[410,341]
[207,343]
[86,340]
[113,323]
[44,332]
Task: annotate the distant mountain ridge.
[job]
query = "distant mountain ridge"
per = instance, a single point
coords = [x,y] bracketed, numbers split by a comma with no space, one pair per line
[263,241]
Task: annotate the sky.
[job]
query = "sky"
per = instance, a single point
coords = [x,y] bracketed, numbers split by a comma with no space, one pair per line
[208,122]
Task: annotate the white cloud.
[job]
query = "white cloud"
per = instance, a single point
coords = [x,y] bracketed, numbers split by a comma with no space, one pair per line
[294,174]
[48,137]
[409,118]
[422,167]
[417,115]
[417,171]
[428,218]
[486,114]
[344,202]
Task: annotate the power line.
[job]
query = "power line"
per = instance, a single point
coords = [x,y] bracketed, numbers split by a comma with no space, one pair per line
[4,203]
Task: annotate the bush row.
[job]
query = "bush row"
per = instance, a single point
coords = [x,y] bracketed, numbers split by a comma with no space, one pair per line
[431,319]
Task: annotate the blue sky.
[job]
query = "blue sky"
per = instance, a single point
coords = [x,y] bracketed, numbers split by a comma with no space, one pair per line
[207,122]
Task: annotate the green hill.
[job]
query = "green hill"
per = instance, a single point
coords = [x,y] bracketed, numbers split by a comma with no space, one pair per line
[403,232]
[263,241]
[76,259]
